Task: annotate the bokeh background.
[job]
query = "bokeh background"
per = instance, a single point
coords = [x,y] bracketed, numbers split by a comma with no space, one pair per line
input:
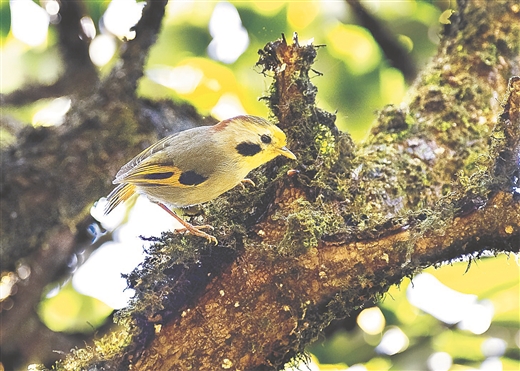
[461,316]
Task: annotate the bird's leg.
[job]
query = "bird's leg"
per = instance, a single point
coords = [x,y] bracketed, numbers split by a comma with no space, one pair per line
[248,181]
[194,230]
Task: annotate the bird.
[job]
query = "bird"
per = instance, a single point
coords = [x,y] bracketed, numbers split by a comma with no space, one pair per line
[197,165]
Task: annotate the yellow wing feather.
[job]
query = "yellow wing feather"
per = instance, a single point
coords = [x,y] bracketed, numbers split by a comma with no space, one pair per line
[154,175]
[157,175]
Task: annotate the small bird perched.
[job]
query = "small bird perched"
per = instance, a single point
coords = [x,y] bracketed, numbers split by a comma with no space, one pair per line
[199,164]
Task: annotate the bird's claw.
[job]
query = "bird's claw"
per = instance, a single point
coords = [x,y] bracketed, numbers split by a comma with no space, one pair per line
[196,231]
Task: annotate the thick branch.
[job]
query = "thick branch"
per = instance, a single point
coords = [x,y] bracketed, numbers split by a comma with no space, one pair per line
[258,313]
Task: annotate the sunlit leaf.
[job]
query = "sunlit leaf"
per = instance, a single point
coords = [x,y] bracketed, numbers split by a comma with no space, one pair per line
[460,345]
[69,311]
[5,17]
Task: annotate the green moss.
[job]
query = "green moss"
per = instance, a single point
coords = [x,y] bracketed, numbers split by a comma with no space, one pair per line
[306,227]
[109,348]
[325,142]
[431,77]
[151,280]
[321,149]
[391,120]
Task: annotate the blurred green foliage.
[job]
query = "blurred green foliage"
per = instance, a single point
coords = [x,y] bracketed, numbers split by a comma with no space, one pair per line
[357,79]
[493,280]
[5,19]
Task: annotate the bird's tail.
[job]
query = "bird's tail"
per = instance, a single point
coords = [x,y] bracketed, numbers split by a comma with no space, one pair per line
[119,195]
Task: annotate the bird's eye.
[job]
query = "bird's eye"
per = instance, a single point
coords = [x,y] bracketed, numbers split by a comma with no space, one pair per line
[265,139]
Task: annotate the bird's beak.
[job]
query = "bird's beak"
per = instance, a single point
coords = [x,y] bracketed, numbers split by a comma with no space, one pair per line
[284,151]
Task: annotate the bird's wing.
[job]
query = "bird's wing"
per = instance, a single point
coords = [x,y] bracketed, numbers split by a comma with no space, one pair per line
[143,156]
[162,163]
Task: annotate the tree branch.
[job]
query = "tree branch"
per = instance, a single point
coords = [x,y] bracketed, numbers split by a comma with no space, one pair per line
[122,80]
[80,74]
[391,47]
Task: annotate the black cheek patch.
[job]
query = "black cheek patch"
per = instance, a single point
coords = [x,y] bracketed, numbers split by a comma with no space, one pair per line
[155,176]
[191,178]
[248,149]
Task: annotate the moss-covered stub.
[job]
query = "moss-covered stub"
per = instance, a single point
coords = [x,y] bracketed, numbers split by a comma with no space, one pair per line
[322,150]
[292,90]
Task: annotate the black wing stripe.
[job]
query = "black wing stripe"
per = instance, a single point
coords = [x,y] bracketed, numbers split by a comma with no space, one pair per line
[191,178]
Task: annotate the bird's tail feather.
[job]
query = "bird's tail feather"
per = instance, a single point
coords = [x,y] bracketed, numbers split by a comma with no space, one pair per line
[119,195]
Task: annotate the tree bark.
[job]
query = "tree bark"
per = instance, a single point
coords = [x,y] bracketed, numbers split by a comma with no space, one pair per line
[437,179]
